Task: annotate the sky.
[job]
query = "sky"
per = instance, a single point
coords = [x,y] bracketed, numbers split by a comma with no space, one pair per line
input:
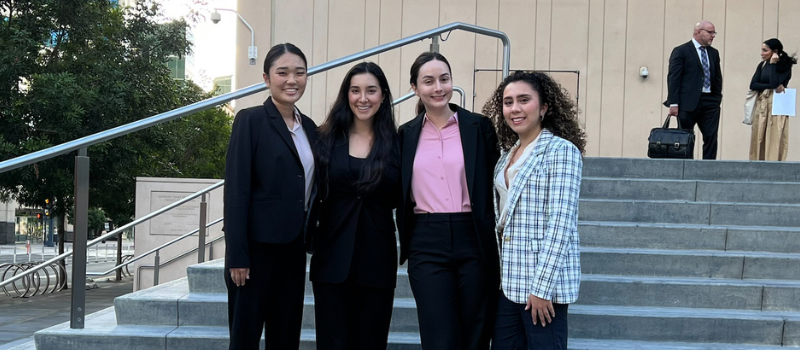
[214,44]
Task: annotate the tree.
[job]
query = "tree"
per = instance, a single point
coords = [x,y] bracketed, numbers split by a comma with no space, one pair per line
[72,68]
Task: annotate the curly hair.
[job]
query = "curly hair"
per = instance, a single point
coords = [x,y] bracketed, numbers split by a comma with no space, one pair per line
[561,117]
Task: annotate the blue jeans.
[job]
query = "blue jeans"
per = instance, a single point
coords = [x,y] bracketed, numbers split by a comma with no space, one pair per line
[514,329]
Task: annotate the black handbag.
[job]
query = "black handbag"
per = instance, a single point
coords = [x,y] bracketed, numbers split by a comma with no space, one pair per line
[670,143]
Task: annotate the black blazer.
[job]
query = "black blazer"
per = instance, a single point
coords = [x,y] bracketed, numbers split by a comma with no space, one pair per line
[685,77]
[264,183]
[356,230]
[479,142]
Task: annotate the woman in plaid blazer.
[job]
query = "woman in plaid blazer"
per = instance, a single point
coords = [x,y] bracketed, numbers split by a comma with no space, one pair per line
[537,183]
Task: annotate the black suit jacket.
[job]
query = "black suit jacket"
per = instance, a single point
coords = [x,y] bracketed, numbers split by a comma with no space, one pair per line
[479,142]
[356,230]
[264,183]
[685,77]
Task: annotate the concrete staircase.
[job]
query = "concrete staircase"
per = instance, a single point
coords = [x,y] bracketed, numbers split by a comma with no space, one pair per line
[675,254]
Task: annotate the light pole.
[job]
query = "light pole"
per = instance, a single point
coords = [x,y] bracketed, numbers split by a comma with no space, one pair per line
[252,51]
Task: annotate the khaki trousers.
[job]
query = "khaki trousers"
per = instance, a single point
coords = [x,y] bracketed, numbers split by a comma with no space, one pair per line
[770,136]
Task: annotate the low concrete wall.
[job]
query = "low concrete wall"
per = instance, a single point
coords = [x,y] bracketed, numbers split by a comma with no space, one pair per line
[6,232]
[155,193]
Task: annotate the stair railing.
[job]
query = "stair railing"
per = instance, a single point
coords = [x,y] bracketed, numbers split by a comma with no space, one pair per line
[81,209]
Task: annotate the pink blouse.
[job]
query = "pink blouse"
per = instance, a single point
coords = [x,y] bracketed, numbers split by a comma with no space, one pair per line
[439,180]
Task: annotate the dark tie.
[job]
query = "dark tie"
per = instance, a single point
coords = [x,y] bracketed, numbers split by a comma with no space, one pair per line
[706,71]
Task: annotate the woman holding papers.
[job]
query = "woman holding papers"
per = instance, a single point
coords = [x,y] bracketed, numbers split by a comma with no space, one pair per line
[770,136]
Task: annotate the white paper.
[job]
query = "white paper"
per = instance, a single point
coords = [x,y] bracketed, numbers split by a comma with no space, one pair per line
[784,103]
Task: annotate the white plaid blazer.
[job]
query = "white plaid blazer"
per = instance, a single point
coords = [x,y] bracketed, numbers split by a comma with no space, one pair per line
[540,251]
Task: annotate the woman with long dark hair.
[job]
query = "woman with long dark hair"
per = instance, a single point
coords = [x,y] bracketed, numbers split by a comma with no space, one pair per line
[269,191]
[354,267]
[446,220]
[537,182]
[770,136]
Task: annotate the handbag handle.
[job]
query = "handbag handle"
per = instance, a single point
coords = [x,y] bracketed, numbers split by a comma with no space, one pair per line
[666,121]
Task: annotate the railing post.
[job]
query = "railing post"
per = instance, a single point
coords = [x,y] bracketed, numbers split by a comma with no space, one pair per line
[119,256]
[201,245]
[157,266]
[78,308]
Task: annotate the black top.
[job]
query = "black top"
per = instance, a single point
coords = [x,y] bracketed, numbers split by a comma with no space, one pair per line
[768,77]
[264,183]
[481,152]
[356,237]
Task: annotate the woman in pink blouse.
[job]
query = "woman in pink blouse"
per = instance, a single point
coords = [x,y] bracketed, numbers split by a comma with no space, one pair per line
[446,219]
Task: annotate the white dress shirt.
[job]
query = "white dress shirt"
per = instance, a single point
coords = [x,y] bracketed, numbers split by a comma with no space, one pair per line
[304,151]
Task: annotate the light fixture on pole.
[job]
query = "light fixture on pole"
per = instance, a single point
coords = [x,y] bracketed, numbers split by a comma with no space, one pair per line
[252,51]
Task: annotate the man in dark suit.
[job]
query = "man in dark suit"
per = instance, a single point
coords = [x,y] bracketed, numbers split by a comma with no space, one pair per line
[695,86]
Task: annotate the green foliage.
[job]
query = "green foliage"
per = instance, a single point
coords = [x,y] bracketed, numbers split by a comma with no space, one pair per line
[72,68]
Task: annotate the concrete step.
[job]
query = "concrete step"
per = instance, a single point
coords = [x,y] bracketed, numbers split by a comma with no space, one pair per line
[101,331]
[620,234]
[642,168]
[606,344]
[599,323]
[690,190]
[207,277]
[733,294]
[691,325]
[155,306]
[690,263]
[683,212]
[172,305]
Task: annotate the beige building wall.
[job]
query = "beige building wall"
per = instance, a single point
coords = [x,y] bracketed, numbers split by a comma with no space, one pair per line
[605,41]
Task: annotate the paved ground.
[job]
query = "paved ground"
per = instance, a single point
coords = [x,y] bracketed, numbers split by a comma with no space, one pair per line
[20,318]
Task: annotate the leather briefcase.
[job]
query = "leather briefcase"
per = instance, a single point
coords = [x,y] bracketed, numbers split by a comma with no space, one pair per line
[670,143]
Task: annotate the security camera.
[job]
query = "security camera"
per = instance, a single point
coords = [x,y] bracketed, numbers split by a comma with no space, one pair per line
[643,72]
[215,17]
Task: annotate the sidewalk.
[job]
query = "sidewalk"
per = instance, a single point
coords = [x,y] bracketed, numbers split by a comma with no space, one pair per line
[20,318]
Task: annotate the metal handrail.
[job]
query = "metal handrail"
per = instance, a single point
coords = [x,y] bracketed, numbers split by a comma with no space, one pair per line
[463,95]
[115,232]
[145,123]
[170,261]
[404,97]
[151,251]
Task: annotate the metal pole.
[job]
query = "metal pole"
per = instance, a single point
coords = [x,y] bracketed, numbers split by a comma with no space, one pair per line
[435,44]
[157,267]
[463,95]
[78,309]
[201,245]
[119,256]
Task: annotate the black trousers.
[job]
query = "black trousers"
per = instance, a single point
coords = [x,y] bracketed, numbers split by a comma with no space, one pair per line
[349,316]
[706,117]
[514,329]
[271,300]
[453,288]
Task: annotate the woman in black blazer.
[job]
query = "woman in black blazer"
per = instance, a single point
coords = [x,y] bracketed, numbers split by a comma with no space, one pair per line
[354,266]
[446,220]
[269,173]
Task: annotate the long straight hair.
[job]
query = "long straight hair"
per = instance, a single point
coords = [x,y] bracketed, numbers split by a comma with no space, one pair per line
[339,121]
